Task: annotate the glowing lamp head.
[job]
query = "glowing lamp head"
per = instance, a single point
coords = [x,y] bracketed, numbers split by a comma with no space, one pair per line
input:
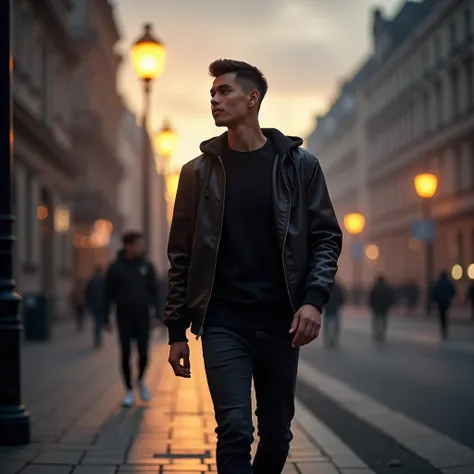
[354,223]
[165,141]
[426,185]
[148,55]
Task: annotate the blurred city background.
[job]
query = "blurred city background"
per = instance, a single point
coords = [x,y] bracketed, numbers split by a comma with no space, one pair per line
[383,94]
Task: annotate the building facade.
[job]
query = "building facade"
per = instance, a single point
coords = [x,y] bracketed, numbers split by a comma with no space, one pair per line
[130,143]
[419,108]
[414,112]
[95,119]
[45,171]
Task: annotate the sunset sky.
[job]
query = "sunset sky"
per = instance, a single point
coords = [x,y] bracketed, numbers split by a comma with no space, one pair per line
[304,47]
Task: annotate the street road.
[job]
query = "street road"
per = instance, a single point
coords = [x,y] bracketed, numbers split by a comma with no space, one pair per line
[414,374]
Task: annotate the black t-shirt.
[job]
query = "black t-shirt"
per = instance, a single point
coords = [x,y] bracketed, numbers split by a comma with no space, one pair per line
[249,287]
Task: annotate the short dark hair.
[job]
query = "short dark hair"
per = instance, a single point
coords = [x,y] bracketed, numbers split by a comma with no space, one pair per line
[244,74]
[130,237]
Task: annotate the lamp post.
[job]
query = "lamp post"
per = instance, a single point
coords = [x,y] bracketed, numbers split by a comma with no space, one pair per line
[426,185]
[165,141]
[14,418]
[148,59]
[354,224]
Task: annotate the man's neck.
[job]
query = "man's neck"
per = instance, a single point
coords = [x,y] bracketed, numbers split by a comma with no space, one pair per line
[246,138]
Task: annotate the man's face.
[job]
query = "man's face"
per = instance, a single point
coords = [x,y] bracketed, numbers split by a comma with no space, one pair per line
[229,101]
[137,248]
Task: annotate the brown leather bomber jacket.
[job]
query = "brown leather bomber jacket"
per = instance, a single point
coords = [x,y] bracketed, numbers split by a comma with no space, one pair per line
[307,228]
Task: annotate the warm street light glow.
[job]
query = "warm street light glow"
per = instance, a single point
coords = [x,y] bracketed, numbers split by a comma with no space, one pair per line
[354,223]
[456,272]
[166,140]
[148,55]
[101,232]
[426,185]
[372,252]
[42,213]
[470,271]
[61,220]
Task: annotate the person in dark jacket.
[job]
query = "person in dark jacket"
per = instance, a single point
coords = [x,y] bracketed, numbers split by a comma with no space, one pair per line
[381,299]
[131,284]
[442,295]
[253,249]
[332,315]
[95,303]
[470,298]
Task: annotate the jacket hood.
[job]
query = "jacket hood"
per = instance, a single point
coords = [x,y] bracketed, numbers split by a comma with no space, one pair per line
[282,143]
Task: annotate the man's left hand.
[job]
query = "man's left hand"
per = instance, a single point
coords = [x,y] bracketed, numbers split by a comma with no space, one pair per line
[305,326]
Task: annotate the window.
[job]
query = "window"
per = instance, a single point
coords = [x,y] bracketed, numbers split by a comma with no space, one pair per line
[469,83]
[46,86]
[452,35]
[467,23]
[455,93]
[30,216]
[460,247]
[439,104]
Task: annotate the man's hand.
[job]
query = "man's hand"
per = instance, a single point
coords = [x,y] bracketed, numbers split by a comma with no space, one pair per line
[178,351]
[107,327]
[305,326]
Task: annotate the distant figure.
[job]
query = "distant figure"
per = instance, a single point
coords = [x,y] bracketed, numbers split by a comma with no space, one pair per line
[381,299]
[77,302]
[95,303]
[470,298]
[131,284]
[332,310]
[442,296]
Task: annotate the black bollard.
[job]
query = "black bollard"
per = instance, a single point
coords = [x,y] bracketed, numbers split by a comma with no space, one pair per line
[14,417]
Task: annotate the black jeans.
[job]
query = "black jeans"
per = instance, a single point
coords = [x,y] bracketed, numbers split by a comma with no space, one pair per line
[133,324]
[232,358]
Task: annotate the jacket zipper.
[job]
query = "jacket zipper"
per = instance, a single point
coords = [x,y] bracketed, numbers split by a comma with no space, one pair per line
[201,329]
[284,239]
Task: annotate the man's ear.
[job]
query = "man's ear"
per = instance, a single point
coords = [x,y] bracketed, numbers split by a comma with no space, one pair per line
[254,97]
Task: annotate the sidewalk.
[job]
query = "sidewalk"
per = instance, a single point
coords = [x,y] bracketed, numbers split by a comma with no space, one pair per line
[78,426]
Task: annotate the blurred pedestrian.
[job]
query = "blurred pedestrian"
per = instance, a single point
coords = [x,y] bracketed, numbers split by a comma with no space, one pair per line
[131,284]
[442,295]
[78,303]
[381,299]
[332,315]
[470,298]
[94,302]
[253,251]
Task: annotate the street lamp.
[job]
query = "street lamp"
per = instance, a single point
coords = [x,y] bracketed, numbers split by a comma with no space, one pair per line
[426,185]
[166,140]
[14,417]
[354,224]
[148,59]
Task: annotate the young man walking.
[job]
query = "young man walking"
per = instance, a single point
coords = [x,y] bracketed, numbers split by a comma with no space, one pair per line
[132,285]
[253,251]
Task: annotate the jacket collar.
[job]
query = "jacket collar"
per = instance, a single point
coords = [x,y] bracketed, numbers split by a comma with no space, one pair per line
[283,144]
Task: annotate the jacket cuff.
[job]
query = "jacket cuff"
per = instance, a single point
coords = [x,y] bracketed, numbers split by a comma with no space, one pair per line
[176,335]
[315,297]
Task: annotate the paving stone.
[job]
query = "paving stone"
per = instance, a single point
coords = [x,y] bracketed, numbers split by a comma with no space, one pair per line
[59,457]
[11,467]
[318,468]
[32,469]
[95,470]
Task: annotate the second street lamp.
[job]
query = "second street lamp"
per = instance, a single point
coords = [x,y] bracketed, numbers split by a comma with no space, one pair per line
[426,185]
[354,223]
[165,140]
[148,59]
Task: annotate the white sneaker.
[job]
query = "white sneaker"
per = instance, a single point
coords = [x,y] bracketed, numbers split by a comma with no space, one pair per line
[129,399]
[144,392]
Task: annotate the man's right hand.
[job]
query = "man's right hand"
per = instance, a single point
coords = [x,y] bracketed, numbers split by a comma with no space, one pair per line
[178,351]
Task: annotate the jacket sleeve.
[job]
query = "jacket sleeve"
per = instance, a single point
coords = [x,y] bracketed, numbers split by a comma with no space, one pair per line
[179,255]
[324,240]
